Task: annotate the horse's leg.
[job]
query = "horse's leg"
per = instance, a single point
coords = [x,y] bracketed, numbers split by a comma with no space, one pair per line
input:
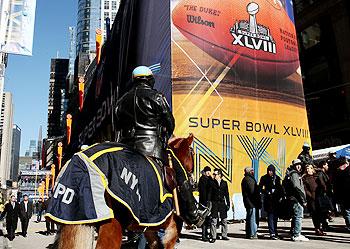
[153,240]
[110,235]
[171,233]
[75,237]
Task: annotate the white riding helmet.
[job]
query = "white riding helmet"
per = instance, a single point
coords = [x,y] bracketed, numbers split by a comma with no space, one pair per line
[142,72]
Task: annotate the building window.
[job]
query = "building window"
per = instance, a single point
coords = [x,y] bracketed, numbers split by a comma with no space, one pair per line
[114,5]
[106,5]
[113,15]
[106,14]
[311,36]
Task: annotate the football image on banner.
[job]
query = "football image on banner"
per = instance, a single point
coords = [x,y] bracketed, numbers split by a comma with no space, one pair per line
[237,85]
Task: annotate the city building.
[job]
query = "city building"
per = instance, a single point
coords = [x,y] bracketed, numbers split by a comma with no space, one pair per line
[88,21]
[57,97]
[40,144]
[16,145]
[91,16]
[109,9]
[6,125]
[30,180]
[323,27]
[49,156]
[32,148]
[3,64]
[71,56]
[25,163]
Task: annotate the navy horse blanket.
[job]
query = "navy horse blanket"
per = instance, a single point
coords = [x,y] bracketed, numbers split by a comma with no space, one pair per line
[130,178]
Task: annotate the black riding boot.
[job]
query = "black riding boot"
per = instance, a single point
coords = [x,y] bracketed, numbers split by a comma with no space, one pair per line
[192,212]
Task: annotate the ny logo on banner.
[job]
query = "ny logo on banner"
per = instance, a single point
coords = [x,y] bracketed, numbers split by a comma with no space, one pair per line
[257,151]
[224,162]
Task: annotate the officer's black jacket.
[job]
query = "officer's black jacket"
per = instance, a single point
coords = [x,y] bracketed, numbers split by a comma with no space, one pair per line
[144,120]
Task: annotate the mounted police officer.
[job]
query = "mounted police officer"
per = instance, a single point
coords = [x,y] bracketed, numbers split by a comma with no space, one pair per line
[145,123]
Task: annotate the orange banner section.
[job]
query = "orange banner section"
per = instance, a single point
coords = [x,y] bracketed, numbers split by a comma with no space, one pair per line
[41,189]
[47,183]
[69,127]
[59,154]
[81,92]
[98,44]
[53,174]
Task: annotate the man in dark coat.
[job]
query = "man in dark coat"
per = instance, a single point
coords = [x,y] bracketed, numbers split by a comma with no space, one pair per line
[271,188]
[204,189]
[144,122]
[39,209]
[342,189]
[12,212]
[325,193]
[252,202]
[26,211]
[220,200]
[50,225]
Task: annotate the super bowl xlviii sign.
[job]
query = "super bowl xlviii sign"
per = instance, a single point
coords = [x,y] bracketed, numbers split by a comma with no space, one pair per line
[252,35]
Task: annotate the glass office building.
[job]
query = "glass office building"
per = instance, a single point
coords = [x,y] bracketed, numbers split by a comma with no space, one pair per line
[91,16]
[89,19]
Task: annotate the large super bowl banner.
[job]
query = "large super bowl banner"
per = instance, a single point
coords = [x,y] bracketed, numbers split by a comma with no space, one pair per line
[237,84]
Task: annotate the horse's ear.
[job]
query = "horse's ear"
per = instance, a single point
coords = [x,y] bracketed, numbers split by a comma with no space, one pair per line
[190,139]
[177,144]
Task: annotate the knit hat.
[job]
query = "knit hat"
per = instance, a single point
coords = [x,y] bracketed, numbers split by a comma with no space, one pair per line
[296,162]
[271,168]
[206,169]
[248,170]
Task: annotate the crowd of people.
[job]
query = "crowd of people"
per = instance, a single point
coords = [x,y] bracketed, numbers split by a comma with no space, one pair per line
[318,188]
[23,211]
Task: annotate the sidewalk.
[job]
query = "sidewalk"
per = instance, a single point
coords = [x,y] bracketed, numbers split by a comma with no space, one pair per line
[36,238]
[337,239]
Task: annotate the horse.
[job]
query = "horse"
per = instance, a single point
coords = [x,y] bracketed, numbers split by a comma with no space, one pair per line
[110,232]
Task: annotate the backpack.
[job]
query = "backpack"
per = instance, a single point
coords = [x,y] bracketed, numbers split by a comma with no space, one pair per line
[288,185]
[286,204]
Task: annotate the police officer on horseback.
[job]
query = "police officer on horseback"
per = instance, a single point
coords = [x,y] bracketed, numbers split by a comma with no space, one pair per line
[145,123]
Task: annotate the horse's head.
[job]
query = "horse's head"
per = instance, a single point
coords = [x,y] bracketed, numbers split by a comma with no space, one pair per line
[183,150]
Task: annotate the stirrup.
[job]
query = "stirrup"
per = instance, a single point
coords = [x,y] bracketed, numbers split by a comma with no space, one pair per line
[203,216]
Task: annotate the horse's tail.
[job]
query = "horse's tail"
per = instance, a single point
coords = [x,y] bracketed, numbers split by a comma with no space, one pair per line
[75,237]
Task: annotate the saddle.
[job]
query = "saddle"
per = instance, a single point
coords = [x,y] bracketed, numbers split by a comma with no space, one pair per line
[168,174]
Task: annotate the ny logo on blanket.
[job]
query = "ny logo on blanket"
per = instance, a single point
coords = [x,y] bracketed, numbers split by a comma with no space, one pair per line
[130,178]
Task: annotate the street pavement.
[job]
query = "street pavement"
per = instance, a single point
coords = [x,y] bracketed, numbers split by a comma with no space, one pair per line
[337,239]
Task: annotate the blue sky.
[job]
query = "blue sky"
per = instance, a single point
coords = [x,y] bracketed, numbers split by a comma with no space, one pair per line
[28,77]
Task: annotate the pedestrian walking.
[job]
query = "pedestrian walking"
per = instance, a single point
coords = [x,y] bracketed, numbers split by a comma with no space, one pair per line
[220,200]
[294,189]
[324,194]
[342,189]
[26,211]
[271,189]
[204,184]
[50,225]
[11,212]
[252,202]
[310,182]
[39,209]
